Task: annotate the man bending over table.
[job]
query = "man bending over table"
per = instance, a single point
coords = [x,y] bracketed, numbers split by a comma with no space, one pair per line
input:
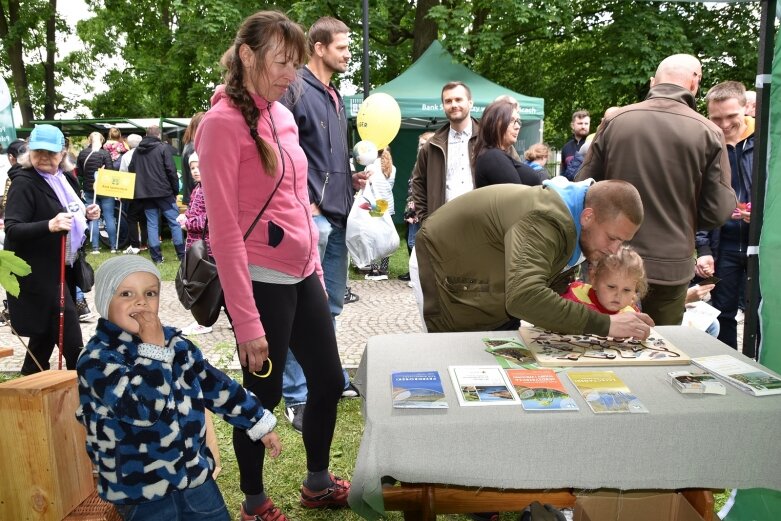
[503,253]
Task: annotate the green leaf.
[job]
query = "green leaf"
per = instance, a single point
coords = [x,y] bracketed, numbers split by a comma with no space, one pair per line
[12,266]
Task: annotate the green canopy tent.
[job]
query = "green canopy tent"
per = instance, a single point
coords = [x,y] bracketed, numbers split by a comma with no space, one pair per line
[418,93]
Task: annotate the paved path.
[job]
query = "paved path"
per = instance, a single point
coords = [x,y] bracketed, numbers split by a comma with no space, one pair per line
[384,307]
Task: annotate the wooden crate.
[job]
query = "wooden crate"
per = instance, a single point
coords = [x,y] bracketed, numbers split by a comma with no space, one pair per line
[46,471]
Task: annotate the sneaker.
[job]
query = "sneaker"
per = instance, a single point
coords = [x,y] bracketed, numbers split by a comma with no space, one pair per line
[131,251]
[162,259]
[113,252]
[295,415]
[85,315]
[376,275]
[196,329]
[404,276]
[350,297]
[333,496]
[266,512]
[350,391]
[95,252]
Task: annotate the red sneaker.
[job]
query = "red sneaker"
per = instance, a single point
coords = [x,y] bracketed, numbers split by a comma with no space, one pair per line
[266,512]
[334,496]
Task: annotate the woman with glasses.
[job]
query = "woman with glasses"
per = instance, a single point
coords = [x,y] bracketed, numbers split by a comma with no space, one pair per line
[265,246]
[44,208]
[493,162]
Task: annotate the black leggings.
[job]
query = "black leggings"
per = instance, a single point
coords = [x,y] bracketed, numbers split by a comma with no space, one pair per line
[298,316]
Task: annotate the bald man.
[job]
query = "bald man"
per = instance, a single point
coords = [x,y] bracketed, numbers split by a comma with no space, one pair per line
[751,103]
[677,160]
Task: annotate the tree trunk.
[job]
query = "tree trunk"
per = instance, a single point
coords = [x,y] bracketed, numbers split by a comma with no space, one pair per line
[425,30]
[49,106]
[16,61]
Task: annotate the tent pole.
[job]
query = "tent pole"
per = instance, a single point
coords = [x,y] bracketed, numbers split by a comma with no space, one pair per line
[759,176]
[365,49]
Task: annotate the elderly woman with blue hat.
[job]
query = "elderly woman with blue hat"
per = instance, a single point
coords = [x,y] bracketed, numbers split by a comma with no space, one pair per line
[43,206]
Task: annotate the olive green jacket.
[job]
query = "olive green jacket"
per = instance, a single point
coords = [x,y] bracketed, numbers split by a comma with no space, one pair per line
[494,254]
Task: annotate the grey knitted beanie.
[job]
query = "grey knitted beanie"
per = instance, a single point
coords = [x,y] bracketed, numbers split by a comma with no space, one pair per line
[111,273]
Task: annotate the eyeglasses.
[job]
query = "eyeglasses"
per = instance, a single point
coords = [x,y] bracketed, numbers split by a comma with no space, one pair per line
[515,121]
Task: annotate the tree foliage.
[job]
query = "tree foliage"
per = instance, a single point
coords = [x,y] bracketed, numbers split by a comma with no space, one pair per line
[163,55]
[29,31]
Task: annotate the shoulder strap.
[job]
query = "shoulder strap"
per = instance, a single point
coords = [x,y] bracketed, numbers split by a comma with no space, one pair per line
[257,218]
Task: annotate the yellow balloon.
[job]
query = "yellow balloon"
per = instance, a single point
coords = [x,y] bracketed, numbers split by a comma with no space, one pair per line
[379,119]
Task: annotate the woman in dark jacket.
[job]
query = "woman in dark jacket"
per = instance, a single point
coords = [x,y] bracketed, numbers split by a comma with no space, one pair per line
[43,204]
[494,165]
[90,160]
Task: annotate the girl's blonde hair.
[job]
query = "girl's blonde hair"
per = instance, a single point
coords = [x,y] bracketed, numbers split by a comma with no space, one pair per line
[628,261]
[96,140]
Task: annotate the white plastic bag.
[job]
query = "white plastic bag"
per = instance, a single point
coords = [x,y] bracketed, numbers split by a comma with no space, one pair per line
[370,233]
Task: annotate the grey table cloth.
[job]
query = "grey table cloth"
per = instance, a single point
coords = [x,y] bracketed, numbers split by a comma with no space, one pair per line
[685,441]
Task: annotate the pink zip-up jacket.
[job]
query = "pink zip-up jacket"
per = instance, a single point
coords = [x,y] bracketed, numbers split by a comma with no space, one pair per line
[236,188]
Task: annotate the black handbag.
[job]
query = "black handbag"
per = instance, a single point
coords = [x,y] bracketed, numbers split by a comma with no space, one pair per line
[85,275]
[198,285]
[197,282]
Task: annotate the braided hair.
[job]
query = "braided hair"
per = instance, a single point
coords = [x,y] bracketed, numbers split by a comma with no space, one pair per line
[261,32]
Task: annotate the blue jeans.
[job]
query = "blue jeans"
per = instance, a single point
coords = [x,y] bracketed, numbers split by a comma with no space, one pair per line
[412,231]
[170,211]
[333,256]
[203,503]
[107,205]
[731,268]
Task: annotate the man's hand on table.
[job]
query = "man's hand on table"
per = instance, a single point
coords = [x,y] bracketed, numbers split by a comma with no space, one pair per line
[634,325]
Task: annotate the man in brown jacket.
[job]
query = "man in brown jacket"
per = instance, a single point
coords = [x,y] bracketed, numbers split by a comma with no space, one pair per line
[678,161]
[443,170]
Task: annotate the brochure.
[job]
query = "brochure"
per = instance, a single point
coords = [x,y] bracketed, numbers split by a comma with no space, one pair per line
[541,390]
[482,385]
[699,315]
[605,392]
[696,383]
[418,390]
[744,376]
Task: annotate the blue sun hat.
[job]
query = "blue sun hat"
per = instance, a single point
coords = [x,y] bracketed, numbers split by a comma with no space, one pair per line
[46,137]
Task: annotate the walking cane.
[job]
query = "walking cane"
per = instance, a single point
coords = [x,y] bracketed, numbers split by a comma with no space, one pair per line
[61,332]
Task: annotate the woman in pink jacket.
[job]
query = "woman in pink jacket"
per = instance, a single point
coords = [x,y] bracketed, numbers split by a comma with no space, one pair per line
[253,166]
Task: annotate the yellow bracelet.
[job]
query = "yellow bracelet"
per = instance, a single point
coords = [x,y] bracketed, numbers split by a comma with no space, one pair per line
[267,372]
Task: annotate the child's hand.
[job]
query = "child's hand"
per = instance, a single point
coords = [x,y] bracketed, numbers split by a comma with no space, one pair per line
[272,442]
[149,327]
[182,220]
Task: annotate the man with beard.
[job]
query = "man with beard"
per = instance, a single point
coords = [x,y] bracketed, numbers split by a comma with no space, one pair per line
[581,124]
[322,132]
[444,169]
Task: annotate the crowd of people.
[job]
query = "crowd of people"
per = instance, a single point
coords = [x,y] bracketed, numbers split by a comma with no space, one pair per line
[606,247]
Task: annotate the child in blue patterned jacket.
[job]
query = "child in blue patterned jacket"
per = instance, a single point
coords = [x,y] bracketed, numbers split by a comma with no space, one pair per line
[143,390]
